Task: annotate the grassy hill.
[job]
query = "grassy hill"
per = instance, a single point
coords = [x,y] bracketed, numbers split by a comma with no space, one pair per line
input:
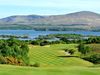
[51,63]
[54,55]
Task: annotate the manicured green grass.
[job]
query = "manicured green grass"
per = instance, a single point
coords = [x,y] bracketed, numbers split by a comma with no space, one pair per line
[15,70]
[51,63]
[50,56]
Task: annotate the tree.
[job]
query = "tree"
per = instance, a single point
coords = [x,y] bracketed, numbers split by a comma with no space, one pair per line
[84,49]
[65,39]
[13,50]
[94,58]
[35,42]
[44,43]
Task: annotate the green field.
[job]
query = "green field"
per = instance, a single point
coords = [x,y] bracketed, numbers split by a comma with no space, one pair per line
[14,70]
[52,61]
[54,55]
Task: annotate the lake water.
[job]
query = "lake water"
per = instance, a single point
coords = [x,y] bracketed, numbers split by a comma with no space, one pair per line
[33,34]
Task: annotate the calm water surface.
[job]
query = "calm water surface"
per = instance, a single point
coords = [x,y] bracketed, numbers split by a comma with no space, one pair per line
[33,34]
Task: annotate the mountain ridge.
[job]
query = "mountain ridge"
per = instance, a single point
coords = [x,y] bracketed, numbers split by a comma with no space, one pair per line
[82,19]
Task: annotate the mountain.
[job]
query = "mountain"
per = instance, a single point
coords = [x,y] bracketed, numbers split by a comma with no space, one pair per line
[19,19]
[83,20]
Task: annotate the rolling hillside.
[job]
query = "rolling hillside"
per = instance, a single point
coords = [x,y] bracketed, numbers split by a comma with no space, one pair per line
[51,64]
[54,55]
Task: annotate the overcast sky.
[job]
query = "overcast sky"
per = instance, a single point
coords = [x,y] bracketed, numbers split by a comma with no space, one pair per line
[46,7]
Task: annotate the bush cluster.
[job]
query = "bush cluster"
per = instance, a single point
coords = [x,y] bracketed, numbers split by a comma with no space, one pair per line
[13,51]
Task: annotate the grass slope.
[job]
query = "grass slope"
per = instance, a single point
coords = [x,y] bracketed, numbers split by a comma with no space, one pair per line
[49,56]
[15,70]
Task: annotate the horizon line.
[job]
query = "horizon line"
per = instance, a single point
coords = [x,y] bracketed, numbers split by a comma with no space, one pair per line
[49,14]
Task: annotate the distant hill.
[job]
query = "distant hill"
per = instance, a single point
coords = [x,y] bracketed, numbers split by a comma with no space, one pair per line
[83,20]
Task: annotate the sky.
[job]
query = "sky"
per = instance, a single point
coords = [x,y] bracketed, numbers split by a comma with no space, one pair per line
[46,7]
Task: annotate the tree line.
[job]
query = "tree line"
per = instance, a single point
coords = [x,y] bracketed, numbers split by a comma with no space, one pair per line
[64,40]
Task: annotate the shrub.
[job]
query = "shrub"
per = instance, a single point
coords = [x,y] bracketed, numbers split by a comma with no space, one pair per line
[35,42]
[14,51]
[3,60]
[84,49]
[70,51]
[44,43]
[94,58]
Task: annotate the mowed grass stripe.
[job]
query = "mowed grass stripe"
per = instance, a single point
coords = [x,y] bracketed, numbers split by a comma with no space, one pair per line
[49,56]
